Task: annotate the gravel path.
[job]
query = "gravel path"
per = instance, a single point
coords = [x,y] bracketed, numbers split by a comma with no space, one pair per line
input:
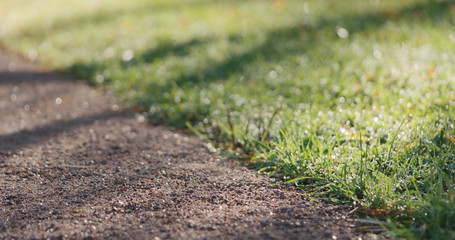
[74,166]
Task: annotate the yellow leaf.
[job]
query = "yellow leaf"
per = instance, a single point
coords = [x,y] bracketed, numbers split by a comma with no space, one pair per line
[431,72]
[451,139]
[411,145]
[279,4]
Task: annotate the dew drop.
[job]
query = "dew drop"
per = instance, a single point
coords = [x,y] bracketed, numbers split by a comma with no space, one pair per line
[139,117]
[58,101]
[342,32]
[273,74]
[115,107]
[452,37]
[377,54]
[32,54]
[343,130]
[108,52]
[4,29]
[127,55]
[12,67]
[306,8]
[99,78]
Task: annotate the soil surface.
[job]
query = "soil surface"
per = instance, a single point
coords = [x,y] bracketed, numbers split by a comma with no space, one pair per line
[74,165]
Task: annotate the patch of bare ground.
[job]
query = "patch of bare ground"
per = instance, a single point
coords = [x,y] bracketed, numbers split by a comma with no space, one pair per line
[74,166]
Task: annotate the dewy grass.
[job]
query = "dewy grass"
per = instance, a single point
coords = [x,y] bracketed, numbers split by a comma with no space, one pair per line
[352,100]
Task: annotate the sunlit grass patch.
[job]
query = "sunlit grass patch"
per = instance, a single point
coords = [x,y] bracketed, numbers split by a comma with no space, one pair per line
[350,100]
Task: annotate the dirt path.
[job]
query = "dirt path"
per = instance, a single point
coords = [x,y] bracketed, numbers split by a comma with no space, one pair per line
[73,166]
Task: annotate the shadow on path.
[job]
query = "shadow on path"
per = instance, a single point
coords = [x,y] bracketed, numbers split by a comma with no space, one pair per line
[35,78]
[24,138]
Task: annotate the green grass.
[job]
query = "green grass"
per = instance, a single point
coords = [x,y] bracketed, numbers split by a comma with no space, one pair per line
[355,99]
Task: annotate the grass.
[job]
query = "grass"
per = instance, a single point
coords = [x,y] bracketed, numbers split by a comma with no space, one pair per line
[353,101]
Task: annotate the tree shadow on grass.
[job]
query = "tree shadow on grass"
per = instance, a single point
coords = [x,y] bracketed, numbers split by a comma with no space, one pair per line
[278,44]
[299,36]
[102,15]
[167,48]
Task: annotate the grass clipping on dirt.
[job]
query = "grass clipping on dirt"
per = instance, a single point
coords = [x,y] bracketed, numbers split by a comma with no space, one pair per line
[352,100]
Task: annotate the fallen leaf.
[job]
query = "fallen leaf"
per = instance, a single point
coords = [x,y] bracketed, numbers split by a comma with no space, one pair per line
[431,73]
[384,212]
[279,4]
[451,139]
